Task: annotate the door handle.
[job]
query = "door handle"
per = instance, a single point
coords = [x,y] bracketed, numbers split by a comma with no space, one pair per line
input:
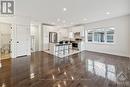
[17,41]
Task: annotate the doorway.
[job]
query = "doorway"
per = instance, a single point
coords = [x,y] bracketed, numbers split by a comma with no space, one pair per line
[34,38]
[5,41]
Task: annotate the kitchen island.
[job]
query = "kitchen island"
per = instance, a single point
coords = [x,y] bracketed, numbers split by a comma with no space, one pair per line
[59,49]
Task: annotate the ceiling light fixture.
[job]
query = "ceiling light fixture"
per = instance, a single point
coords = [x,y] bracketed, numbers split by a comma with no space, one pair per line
[108,13]
[64,9]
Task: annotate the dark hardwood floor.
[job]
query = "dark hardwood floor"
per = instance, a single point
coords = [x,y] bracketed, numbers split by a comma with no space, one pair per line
[85,69]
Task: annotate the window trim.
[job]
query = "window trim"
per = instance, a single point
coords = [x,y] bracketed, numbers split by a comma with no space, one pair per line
[105,29]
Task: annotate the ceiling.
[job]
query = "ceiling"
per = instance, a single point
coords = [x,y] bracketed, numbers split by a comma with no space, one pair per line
[77,11]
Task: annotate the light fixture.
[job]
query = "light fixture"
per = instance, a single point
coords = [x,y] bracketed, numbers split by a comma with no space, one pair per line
[108,13]
[64,9]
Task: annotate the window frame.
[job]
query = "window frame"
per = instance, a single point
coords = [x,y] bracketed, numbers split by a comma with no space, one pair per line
[103,29]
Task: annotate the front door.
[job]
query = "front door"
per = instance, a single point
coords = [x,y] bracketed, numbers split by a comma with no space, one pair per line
[22,42]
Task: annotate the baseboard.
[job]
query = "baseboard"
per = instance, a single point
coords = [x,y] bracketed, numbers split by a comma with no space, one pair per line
[108,53]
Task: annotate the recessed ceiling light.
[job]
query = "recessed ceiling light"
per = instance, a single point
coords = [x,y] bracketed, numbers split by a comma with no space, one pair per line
[64,9]
[107,13]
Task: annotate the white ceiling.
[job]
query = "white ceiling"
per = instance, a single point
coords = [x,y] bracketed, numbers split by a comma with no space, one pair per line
[48,11]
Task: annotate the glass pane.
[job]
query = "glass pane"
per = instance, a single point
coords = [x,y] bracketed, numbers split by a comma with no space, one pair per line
[90,37]
[99,36]
[110,35]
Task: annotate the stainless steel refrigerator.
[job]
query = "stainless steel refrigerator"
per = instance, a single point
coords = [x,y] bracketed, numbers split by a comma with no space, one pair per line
[52,37]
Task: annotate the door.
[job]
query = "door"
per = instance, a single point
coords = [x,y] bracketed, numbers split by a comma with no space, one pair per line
[5,41]
[22,42]
[34,30]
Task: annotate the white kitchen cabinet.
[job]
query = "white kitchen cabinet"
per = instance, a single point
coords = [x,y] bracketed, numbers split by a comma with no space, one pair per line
[82,46]
[77,29]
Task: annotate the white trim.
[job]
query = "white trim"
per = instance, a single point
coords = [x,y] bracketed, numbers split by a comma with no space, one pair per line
[105,35]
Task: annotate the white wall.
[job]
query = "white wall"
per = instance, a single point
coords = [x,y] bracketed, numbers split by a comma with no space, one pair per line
[120,46]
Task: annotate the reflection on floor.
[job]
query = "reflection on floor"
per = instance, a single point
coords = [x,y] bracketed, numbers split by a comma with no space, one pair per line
[85,69]
[5,56]
[63,53]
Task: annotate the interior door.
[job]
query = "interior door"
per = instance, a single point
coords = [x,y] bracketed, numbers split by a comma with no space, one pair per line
[22,35]
[5,39]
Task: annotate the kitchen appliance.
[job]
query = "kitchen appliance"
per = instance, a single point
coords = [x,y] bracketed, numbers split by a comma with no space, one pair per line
[75,46]
[52,37]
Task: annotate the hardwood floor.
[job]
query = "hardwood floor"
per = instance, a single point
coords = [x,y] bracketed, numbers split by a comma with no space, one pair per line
[85,69]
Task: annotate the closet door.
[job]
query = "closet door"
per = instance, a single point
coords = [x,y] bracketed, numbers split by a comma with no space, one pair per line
[22,40]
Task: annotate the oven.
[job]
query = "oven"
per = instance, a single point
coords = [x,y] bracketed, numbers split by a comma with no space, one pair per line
[75,46]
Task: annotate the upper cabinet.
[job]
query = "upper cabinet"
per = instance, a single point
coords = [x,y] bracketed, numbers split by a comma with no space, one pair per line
[78,32]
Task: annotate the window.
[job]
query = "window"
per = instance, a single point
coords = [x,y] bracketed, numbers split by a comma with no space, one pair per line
[110,34]
[103,35]
[99,36]
[90,36]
